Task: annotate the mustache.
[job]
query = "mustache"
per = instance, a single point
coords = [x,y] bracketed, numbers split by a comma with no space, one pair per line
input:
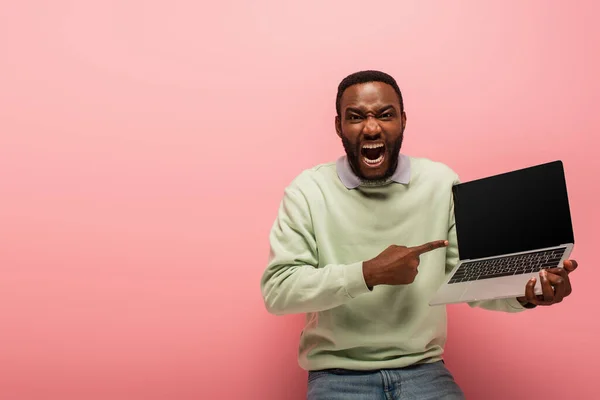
[355,148]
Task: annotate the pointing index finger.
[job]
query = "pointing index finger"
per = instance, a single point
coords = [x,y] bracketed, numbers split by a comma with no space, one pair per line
[424,248]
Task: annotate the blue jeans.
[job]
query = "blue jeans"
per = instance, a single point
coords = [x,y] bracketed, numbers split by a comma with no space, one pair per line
[418,382]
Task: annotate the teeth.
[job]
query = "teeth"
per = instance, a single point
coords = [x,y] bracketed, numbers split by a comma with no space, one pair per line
[377,160]
[372,145]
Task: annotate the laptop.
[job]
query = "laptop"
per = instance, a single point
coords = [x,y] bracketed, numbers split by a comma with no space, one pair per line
[509,227]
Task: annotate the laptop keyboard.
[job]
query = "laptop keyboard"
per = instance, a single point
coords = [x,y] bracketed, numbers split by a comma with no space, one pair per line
[507,266]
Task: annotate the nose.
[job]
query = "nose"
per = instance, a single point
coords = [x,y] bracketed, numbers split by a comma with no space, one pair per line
[372,129]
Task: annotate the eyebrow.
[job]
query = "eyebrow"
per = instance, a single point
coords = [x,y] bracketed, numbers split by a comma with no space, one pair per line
[360,111]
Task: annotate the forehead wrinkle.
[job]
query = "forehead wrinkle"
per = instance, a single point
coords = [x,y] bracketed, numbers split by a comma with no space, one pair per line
[379,107]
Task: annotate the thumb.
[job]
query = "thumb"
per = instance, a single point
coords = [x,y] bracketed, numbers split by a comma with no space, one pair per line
[570,265]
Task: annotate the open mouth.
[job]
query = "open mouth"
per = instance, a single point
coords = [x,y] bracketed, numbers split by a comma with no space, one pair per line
[373,154]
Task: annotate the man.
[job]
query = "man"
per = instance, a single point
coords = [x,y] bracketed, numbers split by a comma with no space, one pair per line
[361,245]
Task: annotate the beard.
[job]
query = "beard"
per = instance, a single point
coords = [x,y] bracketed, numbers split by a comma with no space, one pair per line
[392,151]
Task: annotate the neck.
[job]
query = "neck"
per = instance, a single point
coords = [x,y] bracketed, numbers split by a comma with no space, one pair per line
[379,181]
[374,182]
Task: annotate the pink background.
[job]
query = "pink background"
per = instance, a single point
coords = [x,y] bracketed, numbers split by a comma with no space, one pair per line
[143,154]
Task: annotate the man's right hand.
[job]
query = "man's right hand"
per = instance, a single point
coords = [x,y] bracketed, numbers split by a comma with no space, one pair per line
[397,265]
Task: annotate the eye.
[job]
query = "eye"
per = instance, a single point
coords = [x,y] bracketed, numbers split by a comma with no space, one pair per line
[386,115]
[354,117]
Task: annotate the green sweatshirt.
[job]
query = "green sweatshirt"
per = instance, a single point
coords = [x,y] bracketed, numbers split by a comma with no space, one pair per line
[328,224]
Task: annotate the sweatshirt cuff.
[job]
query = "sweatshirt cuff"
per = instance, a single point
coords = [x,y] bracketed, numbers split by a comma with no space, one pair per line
[354,280]
[514,303]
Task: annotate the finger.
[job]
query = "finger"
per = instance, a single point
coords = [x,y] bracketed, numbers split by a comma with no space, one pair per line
[547,291]
[414,263]
[570,265]
[530,291]
[558,284]
[565,276]
[424,248]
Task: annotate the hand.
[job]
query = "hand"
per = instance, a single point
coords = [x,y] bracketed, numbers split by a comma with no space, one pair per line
[555,286]
[397,265]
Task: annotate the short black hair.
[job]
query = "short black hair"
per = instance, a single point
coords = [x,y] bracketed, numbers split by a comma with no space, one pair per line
[364,77]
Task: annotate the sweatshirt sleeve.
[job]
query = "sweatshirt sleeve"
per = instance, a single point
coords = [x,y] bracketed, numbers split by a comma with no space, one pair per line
[293,281]
[509,305]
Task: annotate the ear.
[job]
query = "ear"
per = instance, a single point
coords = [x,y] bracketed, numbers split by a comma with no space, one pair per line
[403,120]
[338,126]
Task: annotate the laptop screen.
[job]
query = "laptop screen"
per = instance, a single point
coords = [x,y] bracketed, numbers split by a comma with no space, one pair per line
[517,211]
